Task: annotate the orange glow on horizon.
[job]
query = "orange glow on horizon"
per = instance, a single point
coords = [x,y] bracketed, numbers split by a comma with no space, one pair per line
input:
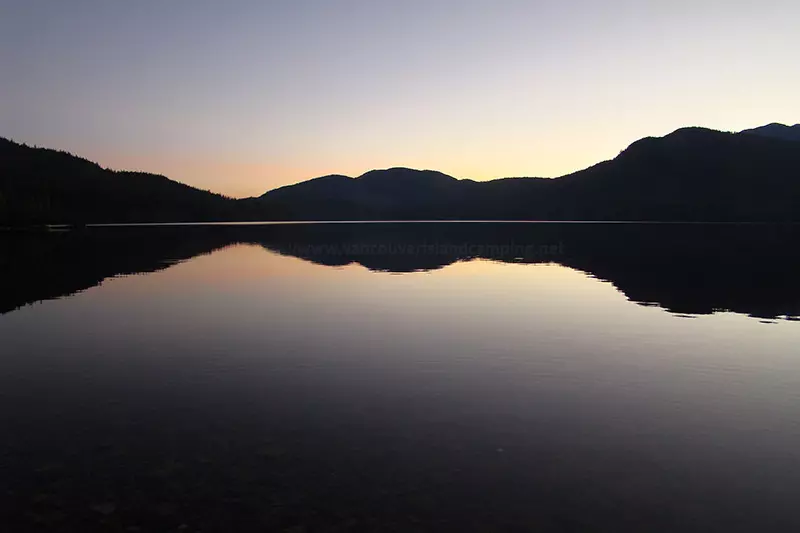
[549,154]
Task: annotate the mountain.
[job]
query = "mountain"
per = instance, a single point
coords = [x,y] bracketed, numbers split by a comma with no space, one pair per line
[692,174]
[38,185]
[777,131]
[400,193]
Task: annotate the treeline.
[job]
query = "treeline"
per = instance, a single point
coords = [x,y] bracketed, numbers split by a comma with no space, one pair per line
[41,186]
[691,175]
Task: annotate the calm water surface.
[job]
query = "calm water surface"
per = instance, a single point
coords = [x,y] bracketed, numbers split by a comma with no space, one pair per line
[414,378]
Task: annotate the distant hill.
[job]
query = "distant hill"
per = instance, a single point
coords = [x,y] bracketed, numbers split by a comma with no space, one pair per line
[38,185]
[777,131]
[692,174]
[379,194]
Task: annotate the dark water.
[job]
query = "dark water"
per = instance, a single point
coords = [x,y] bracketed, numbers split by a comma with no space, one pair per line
[401,377]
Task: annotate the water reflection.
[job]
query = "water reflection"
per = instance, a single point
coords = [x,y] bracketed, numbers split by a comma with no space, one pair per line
[685,269]
[278,385]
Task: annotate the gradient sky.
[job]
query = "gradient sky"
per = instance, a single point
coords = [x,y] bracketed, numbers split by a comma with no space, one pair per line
[241,96]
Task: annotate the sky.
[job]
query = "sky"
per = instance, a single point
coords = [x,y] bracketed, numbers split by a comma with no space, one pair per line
[241,96]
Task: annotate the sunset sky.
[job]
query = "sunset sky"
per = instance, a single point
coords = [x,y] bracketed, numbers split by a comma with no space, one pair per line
[241,96]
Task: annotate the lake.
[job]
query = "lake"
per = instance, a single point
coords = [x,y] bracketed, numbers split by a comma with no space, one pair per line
[401,377]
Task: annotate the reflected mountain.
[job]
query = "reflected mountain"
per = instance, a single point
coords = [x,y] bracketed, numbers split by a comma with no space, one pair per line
[686,269]
[36,266]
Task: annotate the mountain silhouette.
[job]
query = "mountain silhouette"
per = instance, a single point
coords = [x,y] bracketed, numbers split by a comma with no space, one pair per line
[400,193]
[777,131]
[693,174]
[40,186]
[690,175]
[686,269]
